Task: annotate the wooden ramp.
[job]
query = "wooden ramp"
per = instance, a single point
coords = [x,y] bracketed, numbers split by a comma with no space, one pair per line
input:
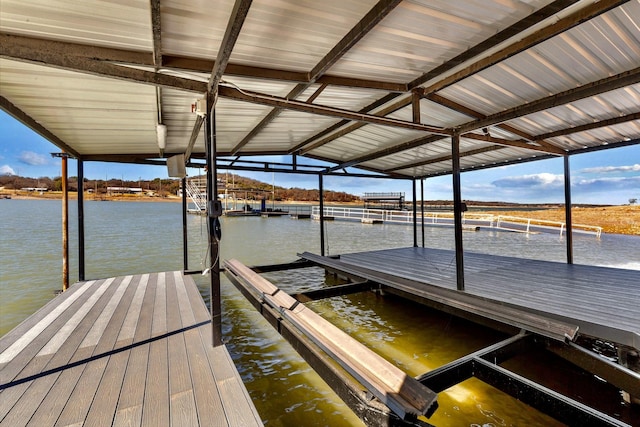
[602,302]
[124,351]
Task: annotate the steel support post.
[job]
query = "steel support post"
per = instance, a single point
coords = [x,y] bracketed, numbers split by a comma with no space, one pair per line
[321,190]
[567,210]
[422,207]
[81,262]
[415,214]
[185,241]
[65,225]
[213,222]
[457,210]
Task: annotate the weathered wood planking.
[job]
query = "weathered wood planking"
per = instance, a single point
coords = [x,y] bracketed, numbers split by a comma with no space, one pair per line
[129,351]
[603,302]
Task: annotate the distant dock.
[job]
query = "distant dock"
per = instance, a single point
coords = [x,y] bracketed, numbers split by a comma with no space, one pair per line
[123,351]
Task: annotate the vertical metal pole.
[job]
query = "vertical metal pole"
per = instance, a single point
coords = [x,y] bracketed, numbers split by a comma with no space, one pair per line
[422,207]
[457,210]
[65,225]
[213,222]
[321,190]
[567,209]
[415,215]
[81,263]
[185,242]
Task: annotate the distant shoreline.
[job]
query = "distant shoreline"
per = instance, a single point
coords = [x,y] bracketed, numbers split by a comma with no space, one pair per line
[623,219]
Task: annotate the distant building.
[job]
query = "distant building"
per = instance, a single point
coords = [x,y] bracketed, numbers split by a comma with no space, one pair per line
[40,189]
[124,190]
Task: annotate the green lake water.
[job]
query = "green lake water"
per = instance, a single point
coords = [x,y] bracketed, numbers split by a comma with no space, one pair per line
[131,238]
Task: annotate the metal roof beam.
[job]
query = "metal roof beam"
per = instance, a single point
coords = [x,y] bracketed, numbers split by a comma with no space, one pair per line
[564,24]
[481,47]
[72,62]
[268,119]
[445,158]
[543,145]
[341,123]
[589,126]
[275,101]
[205,65]
[231,34]
[494,40]
[419,142]
[14,43]
[35,126]
[354,126]
[362,28]
[607,84]
[156,29]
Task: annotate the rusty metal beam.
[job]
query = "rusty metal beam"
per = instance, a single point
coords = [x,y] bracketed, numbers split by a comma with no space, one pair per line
[415,143]
[15,43]
[156,29]
[35,126]
[361,29]
[231,34]
[341,123]
[541,145]
[354,126]
[445,158]
[564,24]
[589,126]
[275,101]
[607,84]
[296,91]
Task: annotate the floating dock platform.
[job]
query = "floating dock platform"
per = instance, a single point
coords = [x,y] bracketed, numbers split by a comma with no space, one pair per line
[123,351]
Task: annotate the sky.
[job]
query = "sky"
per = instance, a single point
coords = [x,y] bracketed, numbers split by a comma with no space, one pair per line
[604,177]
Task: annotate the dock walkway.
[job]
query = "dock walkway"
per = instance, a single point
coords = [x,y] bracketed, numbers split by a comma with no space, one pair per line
[602,302]
[123,351]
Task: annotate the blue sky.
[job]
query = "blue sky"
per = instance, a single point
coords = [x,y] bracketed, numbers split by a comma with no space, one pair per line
[604,177]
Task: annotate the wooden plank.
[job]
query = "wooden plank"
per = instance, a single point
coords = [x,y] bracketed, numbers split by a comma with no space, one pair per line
[238,409]
[82,396]
[47,395]
[129,408]
[401,393]
[155,408]
[104,404]
[17,346]
[208,403]
[19,331]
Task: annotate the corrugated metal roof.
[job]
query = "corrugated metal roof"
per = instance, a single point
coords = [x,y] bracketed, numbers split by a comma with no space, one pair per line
[538,85]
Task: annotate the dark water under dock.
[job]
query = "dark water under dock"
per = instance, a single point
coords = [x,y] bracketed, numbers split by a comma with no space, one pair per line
[133,238]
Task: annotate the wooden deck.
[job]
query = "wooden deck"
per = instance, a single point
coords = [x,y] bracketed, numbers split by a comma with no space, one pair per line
[602,302]
[124,351]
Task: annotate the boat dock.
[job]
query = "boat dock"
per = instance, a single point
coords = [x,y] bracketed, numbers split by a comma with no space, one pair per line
[470,221]
[599,302]
[124,351]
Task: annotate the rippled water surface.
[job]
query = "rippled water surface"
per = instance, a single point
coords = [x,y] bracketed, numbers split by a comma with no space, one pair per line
[130,238]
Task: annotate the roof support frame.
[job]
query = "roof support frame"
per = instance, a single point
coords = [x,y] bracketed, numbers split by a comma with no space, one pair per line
[34,125]
[473,51]
[606,84]
[231,34]
[361,29]
[585,14]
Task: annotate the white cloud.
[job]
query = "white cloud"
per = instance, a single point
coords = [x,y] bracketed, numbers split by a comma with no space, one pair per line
[6,170]
[612,169]
[33,159]
[538,181]
[609,184]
